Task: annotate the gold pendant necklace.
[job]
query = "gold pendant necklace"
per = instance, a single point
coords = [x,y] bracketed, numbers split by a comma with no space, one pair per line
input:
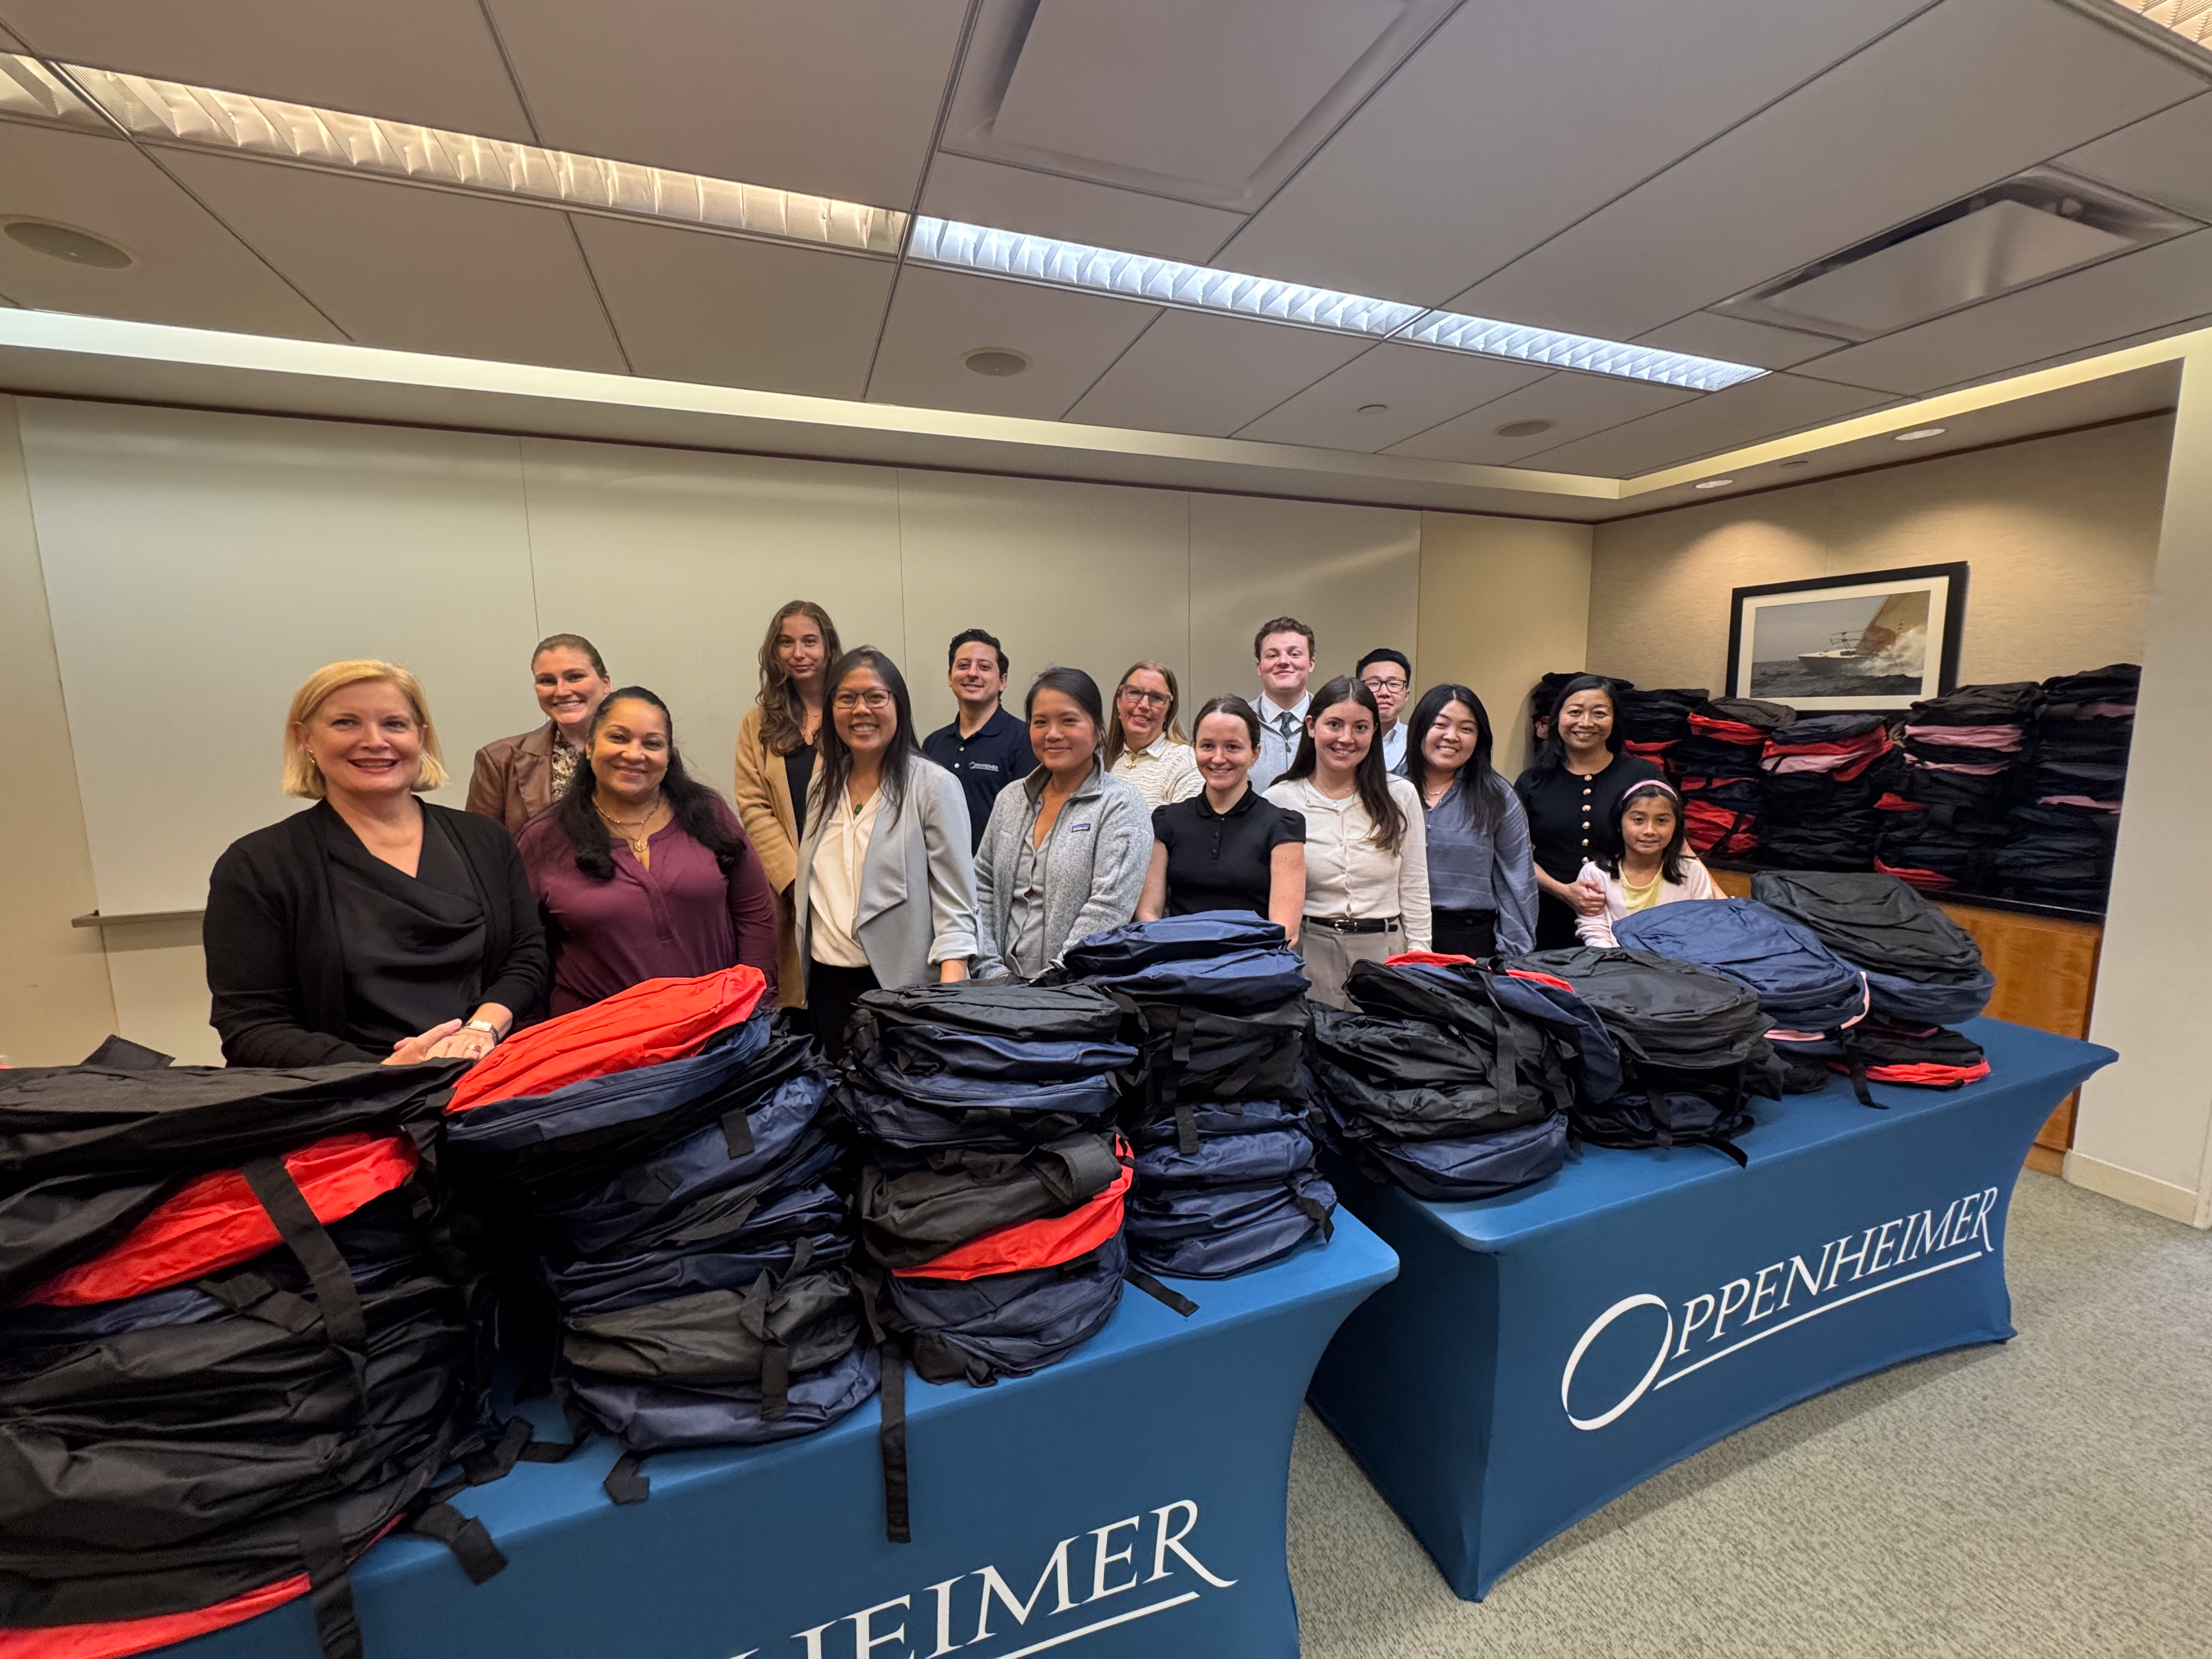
[640,844]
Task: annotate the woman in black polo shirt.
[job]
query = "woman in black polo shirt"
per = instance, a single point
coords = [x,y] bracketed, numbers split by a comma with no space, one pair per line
[1573,794]
[1227,847]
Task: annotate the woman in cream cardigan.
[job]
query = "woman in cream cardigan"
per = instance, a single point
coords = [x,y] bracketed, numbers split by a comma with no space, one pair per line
[776,748]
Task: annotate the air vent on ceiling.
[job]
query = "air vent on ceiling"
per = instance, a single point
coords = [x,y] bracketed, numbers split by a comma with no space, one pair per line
[1213,101]
[2021,231]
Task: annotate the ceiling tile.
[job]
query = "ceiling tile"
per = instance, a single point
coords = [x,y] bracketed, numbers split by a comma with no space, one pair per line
[1193,373]
[1073,209]
[2167,284]
[188,270]
[1573,403]
[1512,121]
[428,61]
[1417,387]
[1966,94]
[1746,413]
[2162,158]
[940,316]
[415,269]
[690,305]
[1734,340]
[837,97]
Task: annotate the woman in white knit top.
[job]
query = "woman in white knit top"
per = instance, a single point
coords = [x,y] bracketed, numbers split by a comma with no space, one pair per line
[1648,863]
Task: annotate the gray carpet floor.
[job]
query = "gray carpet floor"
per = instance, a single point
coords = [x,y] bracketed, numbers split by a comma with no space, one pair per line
[2051,1495]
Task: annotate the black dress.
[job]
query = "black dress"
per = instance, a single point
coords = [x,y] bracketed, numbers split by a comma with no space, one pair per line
[1223,860]
[1570,821]
[320,954]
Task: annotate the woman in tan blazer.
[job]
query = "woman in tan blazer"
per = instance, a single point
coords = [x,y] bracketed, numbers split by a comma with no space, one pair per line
[776,761]
[516,778]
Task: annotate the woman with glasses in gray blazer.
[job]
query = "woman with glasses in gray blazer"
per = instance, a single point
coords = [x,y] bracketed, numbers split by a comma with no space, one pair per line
[886,889]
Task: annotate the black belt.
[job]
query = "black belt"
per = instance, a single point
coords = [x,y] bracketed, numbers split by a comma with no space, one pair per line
[1354,925]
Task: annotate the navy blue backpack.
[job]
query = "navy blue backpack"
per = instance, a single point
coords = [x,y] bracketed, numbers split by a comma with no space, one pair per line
[1802,985]
[1227,961]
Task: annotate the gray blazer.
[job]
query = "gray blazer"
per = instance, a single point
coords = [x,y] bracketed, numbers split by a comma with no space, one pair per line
[917,883]
[1095,859]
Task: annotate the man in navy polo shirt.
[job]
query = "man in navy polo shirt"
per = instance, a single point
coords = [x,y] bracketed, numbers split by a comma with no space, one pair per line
[986,748]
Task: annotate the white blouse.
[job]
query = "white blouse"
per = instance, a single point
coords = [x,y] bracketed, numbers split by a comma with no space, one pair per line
[1348,877]
[833,896]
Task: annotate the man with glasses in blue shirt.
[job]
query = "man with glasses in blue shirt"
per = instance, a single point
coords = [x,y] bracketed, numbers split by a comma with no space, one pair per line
[1389,675]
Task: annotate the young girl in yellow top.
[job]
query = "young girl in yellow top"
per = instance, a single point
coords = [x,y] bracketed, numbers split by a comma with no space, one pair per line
[1648,862]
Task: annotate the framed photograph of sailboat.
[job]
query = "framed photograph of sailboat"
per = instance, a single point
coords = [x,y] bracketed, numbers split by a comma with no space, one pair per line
[1877,641]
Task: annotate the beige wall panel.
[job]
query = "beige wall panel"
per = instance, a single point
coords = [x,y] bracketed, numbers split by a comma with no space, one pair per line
[199,566]
[2061,534]
[160,978]
[673,563]
[1504,602]
[54,1002]
[1351,574]
[1093,576]
[2144,1131]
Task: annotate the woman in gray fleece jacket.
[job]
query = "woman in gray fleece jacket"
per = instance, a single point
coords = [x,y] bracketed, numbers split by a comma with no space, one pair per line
[1064,852]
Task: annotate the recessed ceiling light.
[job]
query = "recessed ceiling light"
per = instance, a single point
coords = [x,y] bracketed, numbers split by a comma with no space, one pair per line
[1919,432]
[1054,264]
[996,361]
[1523,429]
[1712,484]
[1374,408]
[78,247]
[201,117]
[2189,19]
[1801,461]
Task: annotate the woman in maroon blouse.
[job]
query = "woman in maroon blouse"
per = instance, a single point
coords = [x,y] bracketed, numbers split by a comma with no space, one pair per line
[640,871]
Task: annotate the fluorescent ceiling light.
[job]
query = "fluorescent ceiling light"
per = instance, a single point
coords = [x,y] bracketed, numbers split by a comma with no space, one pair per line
[1056,263]
[1919,432]
[169,112]
[2189,19]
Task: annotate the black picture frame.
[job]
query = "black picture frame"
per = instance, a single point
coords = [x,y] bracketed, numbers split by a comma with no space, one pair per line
[1821,689]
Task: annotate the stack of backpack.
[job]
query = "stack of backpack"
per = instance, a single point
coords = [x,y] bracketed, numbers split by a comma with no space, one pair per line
[236,1348]
[993,1179]
[1690,1043]
[657,1164]
[1716,769]
[1947,807]
[1809,996]
[2068,820]
[1923,972]
[1438,1080]
[1817,801]
[1214,1003]
[1651,725]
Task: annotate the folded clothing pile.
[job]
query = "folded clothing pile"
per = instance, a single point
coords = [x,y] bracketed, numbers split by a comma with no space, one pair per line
[233,1351]
[1716,769]
[1651,725]
[1691,1042]
[678,1214]
[994,1181]
[1434,1080]
[1945,808]
[1817,800]
[2064,831]
[1215,1003]
[1809,996]
[1923,971]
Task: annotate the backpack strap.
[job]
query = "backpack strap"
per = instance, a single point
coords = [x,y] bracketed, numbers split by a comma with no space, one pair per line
[1159,1292]
[890,1440]
[738,1133]
[626,1482]
[464,1535]
[322,1547]
[337,1301]
[1856,1061]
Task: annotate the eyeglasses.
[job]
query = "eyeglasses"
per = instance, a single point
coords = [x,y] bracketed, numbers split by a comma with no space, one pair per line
[874,702]
[1380,685]
[1155,699]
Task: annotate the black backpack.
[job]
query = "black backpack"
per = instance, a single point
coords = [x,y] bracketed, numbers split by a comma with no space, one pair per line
[1920,964]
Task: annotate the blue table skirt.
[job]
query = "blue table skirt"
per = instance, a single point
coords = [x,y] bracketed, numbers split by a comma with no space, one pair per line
[1544,1351]
[1131,1497]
